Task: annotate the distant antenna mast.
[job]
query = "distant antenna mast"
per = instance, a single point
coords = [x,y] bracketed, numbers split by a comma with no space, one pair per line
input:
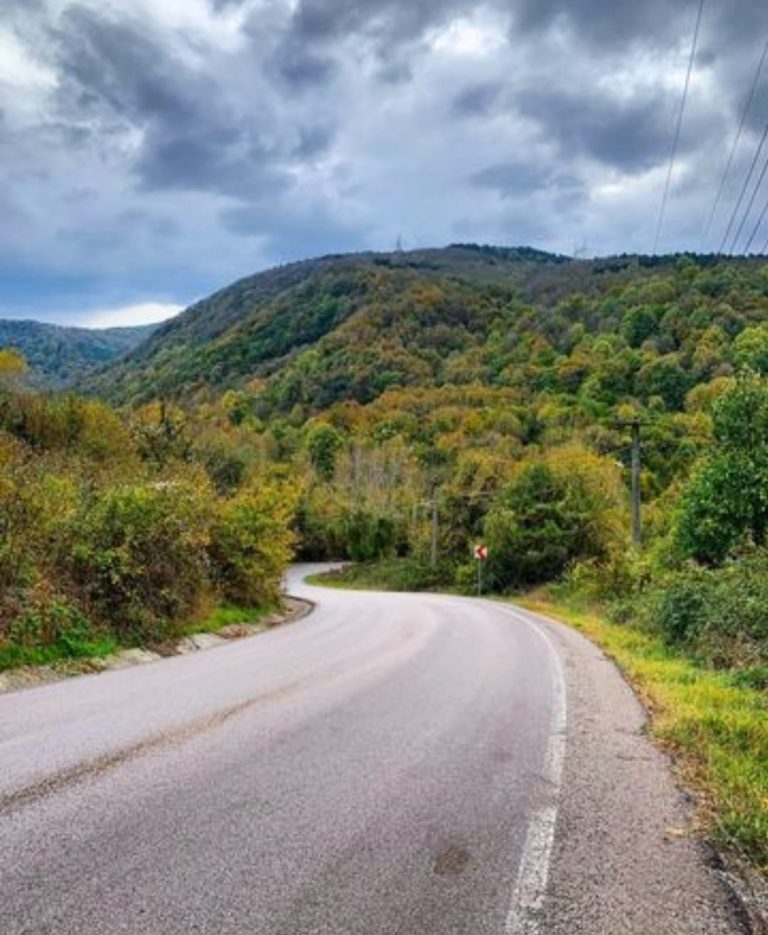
[580,251]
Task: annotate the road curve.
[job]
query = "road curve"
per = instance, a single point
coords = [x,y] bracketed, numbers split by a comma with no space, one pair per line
[389,765]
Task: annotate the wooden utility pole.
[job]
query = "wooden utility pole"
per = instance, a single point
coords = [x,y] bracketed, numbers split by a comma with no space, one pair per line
[637,530]
[435,525]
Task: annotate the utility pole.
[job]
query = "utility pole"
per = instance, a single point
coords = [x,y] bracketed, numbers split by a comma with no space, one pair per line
[637,532]
[634,425]
[435,524]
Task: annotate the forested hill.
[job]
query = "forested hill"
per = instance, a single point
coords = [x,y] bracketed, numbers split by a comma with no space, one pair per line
[255,326]
[57,356]
[593,334]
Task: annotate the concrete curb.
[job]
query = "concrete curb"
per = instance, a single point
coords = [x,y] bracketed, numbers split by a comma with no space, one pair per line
[24,677]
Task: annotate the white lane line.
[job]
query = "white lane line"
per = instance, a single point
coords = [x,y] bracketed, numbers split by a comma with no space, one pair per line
[530,887]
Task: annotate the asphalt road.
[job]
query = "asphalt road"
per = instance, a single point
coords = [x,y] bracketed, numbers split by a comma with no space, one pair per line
[388,765]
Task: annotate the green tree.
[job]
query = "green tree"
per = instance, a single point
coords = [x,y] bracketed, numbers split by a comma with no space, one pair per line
[750,349]
[638,324]
[324,444]
[726,503]
[251,543]
[557,511]
[664,377]
[139,555]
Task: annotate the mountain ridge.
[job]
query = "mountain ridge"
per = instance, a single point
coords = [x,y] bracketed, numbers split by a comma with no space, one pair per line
[351,326]
[58,355]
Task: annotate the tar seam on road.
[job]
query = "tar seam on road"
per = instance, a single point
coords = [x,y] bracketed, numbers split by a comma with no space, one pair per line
[531,885]
[90,769]
[93,768]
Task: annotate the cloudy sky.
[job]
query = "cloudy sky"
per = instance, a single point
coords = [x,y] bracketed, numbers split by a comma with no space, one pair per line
[154,150]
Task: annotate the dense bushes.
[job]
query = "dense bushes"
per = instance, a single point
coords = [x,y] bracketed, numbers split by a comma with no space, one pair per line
[50,628]
[106,538]
[725,506]
[560,508]
[251,543]
[392,574]
[356,534]
[703,583]
[139,555]
[718,614]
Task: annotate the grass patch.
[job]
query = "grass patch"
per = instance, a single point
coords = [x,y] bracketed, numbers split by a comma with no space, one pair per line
[13,655]
[96,646]
[226,614]
[714,722]
[393,574]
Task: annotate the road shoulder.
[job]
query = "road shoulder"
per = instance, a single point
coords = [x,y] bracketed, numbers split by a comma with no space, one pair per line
[626,857]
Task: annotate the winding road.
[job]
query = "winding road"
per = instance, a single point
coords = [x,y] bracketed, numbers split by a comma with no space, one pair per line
[391,764]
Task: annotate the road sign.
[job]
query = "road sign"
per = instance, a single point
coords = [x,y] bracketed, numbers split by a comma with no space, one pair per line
[480,552]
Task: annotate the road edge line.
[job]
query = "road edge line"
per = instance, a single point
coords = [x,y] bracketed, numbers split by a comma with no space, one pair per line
[530,889]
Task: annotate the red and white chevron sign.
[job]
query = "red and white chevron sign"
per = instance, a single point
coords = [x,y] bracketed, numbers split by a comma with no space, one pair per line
[481,552]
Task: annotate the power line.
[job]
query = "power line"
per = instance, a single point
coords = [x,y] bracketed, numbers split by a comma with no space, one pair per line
[744,187]
[737,138]
[678,126]
[759,221]
[755,190]
[756,228]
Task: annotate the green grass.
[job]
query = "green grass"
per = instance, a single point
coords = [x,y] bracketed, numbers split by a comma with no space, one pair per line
[13,655]
[226,614]
[390,574]
[714,724]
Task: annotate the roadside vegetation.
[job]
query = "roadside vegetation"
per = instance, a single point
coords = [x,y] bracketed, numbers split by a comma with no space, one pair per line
[227,615]
[123,530]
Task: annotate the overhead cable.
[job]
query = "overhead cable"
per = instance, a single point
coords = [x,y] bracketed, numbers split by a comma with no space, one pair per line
[744,187]
[755,190]
[759,222]
[735,144]
[678,125]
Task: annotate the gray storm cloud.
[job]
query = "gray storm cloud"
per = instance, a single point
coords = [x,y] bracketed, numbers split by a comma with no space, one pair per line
[166,148]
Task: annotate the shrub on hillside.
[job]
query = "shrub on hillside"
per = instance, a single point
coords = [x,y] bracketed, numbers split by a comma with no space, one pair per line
[725,505]
[114,536]
[329,531]
[36,506]
[56,624]
[720,614]
[367,536]
[561,508]
[140,557]
[251,543]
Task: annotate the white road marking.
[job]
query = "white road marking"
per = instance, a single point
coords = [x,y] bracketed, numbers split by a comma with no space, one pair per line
[530,887]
